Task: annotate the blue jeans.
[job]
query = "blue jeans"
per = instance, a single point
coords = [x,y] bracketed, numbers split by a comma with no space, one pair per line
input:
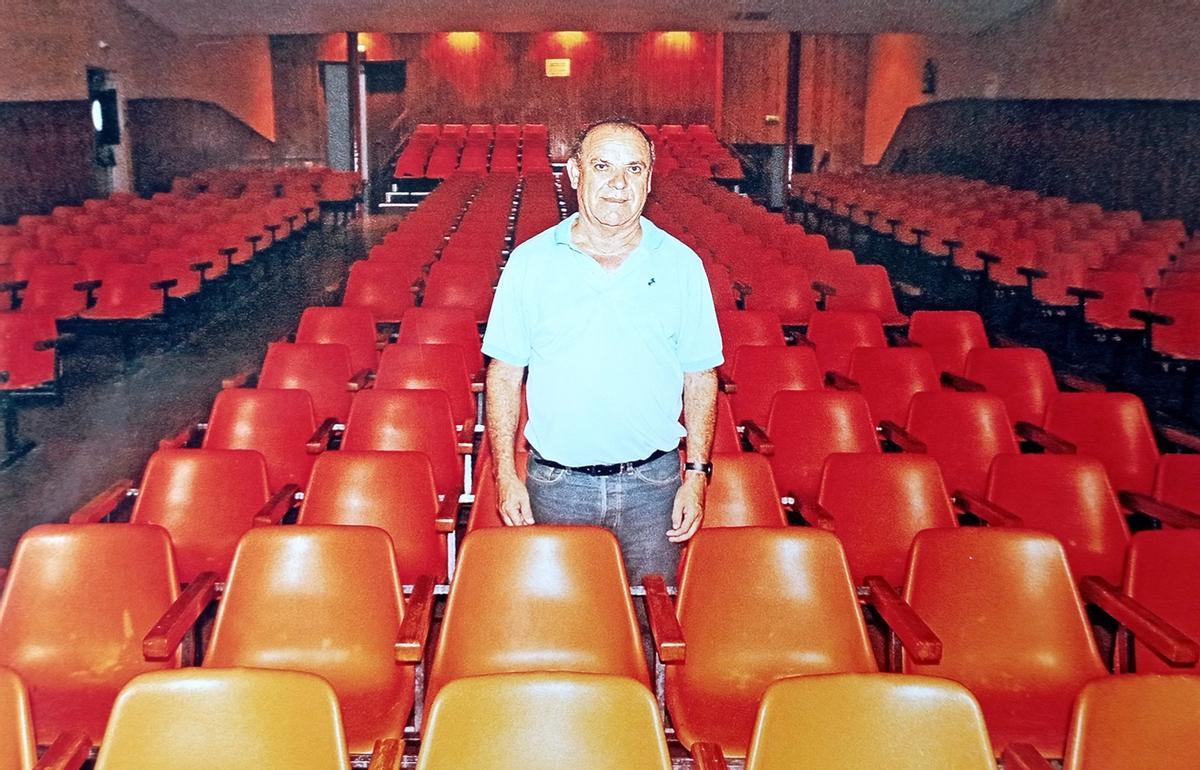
[635,505]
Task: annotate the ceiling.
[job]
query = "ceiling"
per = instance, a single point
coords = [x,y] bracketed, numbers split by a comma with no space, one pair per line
[256,17]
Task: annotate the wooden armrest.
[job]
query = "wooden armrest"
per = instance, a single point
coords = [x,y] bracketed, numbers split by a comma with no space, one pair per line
[952,243]
[1079,384]
[186,437]
[239,380]
[1023,756]
[320,439]
[759,440]
[253,238]
[17,285]
[664,625]
[839,381]
[962,384]
[1181,438]
[228,251]
[1171,515]
[725,384]
[824,289]
[272,228]
[1044,438]
[168,632]
[359,380]
[893,222]
[1147,317]
[385,755]
[922,644]
[818,516]
[987,258]
[901,438]
[1163,639]
[277,507]
[414,629]
[165,285]
[1081,293]
[919,231]
[1032,273]
[102,504]
[58,342]
[87,285]
[744,289]
[708,756]
[68,752]
[977,505]
[447,514]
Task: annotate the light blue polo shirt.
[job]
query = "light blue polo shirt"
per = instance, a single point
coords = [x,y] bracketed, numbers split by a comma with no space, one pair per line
[606,351]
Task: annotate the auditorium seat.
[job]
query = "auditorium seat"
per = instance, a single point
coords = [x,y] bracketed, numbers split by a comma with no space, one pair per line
[565,607]
[742,493]
[888,378]
[1021,377]
[748,327]
[543,721]
[1022,647]
[835,334]
[948,335]
[77,601]
[30,369]
[758,372]
[51,290]
[1173,323]
[382,289]
[864,288]
[453,325]
[434,366]
[130,291]
[353,327]
[18,749]
[460,285]
[237,719]
[393,491]
[322,370]
[784,289]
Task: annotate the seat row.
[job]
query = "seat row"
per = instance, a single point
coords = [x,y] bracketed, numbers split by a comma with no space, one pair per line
[695,149]
[436,152]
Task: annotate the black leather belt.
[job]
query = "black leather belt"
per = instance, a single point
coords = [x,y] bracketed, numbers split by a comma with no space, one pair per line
[601,470]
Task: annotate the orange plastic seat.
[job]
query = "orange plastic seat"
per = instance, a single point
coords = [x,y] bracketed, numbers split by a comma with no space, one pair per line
[393,491]
[238,719]
[1135,721]
[1070,497]
[742,493]
[889,377]
[353,327]
[565,607]
[1012,627]
[757,604]
[276,423]
[963,432]
[1113,427]
[322,370]
[551,721]
[433,366]
[805,427]
[836,334]
[1021,377]
[948,335]
[77,601]
[454,325]
[760,371]
[850,721]
[18,749]
[326,601]
[876,504]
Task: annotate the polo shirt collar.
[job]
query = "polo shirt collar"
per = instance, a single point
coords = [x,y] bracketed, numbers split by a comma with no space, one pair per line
[652,236]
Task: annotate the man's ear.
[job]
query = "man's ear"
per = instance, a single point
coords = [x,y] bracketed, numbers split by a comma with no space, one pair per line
[573,173]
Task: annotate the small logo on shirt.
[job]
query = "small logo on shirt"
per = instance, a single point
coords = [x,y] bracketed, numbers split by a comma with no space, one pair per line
[651,282]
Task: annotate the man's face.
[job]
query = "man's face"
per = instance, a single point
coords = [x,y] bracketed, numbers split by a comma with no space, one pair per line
[612,175]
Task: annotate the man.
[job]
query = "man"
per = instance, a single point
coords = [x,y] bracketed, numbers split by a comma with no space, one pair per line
[615,321]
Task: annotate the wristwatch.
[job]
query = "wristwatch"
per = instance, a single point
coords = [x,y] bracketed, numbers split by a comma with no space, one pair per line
[705,468]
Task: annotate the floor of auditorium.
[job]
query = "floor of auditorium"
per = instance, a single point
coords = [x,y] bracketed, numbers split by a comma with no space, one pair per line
[113,416]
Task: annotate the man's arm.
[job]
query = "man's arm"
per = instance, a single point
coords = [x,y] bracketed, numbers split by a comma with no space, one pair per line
[699,417]
[503,413]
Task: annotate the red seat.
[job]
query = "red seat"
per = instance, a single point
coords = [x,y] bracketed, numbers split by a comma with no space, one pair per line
[748,327]
[1113,427]
[783,289]
[1181,338]
[51,291]
[1120,292]
[277,423]
[889,377]
[444,325]
[129,291]
[1021,377]
[761,371]
[321,370]
[866,288]
[460,285]
[24,360]
[380,288]
[350,326]
[836,334]
[962,431]
[1160,574]
[1175,480]
[434,366]
[948,335]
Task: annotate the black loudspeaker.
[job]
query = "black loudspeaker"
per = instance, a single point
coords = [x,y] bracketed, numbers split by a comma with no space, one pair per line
[386,76]
[105,118]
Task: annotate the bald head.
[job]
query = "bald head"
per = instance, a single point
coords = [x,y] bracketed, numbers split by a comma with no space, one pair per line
[605,126]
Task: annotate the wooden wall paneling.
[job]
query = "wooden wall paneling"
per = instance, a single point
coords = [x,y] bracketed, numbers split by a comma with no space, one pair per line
[46,156]
[299,100]
[755,76]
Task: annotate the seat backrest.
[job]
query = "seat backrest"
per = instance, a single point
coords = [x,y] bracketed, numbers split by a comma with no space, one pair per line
[1113,427]
[748,327]
[276,423]
[879,502]
[1180,339]
[808,426]
[785,289]
[866,288]
[1175,480]
[836,333]
[413,420]
[454,325]
[1160,572]
[889,377]
[353,327]
[760,371]
[1022,377]
[429,365]
[948,335]
[322,369]
[393,491]
[18,749]
[26,366]
[611,721]
[206,499]
[380,288]
[79,598]
[896,721]
[963,432]
[565,606]
[742,493]
[51,291]
[239,718]
[1135,721]
[1123,291]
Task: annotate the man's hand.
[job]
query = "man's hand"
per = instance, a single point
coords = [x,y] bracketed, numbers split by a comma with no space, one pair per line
[513,499]
[689,508]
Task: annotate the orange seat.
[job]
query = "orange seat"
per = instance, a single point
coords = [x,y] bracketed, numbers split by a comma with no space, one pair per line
[963,432]
[393,491]
[77,601]
[565,607]
[1022,647]
[454,325]
[836,334]
[757,604]
[848,721]
[1021,377]
[237,719]
[876,504]
[742,493]
[205,499]
[1135,721]
[889,377]
[353,327]
[18,749]
[760,371]
[433,366]
[550,721]
[276,423]
[948,335]
[322,370]
[1113,427]
[326,601]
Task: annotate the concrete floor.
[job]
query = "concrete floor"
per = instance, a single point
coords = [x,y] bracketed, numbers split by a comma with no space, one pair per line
[110,421]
